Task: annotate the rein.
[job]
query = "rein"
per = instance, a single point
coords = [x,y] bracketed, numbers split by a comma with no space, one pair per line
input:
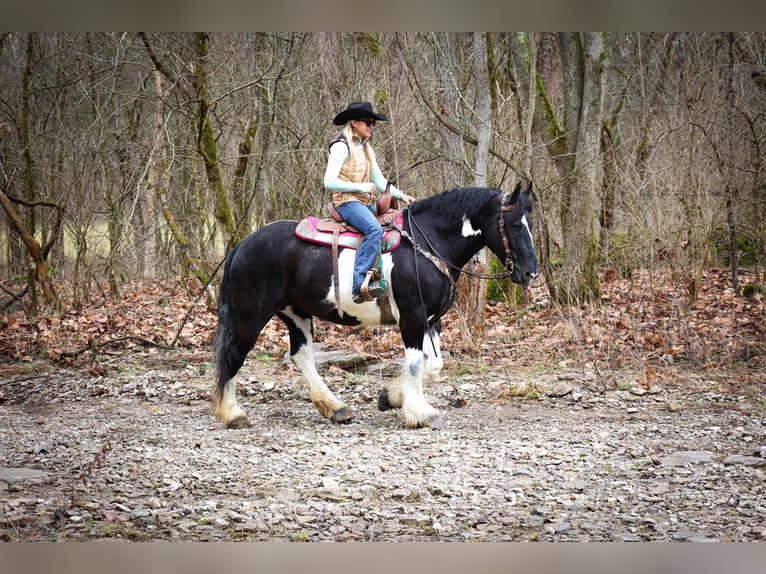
[506,243]
[444,266]
[439,262]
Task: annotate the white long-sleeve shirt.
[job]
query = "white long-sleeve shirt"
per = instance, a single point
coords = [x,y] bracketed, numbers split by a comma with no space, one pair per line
[333,182]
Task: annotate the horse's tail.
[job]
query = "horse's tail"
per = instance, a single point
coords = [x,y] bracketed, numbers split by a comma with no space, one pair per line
[224,339]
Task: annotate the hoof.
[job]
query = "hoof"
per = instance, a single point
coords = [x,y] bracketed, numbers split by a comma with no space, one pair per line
[239,423]
[434,423]
[342,415]
[383,404]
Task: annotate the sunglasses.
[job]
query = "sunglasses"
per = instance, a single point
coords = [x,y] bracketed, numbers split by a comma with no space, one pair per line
[369,121]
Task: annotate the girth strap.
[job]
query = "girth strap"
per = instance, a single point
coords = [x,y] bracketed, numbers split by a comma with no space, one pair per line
[335,280]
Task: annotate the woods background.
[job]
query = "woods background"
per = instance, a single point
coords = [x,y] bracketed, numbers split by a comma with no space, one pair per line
[127,156]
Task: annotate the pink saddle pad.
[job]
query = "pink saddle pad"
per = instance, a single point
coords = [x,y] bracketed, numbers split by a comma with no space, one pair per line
[316,230]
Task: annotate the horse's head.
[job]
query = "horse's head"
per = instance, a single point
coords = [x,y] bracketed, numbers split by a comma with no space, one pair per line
[516,233]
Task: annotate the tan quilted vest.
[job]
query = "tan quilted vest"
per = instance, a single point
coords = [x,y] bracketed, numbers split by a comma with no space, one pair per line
[355,169]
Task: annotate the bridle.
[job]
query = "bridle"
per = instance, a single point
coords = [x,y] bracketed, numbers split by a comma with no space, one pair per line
[508,263]
[444,266]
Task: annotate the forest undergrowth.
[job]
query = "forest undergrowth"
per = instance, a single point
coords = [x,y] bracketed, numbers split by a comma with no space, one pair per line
[643,322]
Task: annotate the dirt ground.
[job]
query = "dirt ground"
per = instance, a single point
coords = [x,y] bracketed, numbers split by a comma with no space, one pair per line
[131,450]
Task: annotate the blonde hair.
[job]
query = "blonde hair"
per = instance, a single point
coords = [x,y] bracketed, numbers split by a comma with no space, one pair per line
[348,132]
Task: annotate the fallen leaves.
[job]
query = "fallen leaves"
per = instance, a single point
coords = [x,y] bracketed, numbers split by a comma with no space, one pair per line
[145,313]
[642,320]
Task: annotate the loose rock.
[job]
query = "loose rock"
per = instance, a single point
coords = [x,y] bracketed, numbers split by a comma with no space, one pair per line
[139,456]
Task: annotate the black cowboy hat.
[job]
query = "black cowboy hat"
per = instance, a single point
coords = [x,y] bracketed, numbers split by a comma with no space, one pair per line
[356,110]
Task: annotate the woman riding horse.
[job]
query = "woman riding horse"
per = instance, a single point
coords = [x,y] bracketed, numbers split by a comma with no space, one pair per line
[352,175]
[275,272]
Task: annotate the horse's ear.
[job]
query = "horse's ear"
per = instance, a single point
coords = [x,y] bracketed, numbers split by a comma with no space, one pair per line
[515,194]
[529,188]
[529,196]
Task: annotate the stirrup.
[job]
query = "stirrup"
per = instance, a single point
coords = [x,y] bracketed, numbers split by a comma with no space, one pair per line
[371,287]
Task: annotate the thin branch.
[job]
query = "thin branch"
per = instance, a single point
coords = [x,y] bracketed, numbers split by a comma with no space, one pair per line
[172,78]
[94,346]
[14,297]
[413,77]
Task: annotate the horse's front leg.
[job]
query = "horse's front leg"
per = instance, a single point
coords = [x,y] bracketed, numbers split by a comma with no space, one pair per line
[432,355]
[406,391]
[301,329]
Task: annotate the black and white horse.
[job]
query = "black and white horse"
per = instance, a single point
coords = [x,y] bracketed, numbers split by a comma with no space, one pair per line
[273,272]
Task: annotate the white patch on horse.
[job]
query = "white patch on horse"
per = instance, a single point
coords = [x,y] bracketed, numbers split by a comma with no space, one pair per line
[415,408]
[366,313]
[525,223]
[228,409]
[433,362]
[321,395]
[468,229]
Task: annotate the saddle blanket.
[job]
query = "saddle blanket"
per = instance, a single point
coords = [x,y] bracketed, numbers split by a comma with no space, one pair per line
[321,231]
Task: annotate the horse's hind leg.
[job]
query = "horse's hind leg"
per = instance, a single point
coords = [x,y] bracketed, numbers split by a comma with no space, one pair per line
[230,356]
[300,327]
[234,340]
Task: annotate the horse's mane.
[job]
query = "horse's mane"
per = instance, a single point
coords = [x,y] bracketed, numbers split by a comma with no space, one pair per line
[455,203]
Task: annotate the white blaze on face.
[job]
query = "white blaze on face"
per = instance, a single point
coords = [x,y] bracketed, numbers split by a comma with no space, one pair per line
[468,229]
[525,223]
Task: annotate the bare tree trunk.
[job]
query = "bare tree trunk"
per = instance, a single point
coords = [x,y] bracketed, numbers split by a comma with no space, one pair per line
[730,186]
[447,66]
[114,227]
[206,144]
[157,172]
[531,104]
[622,50]
[261,188]
[30,191]
[38,254]
[580,229]
[477,286]
[575,149]
[524,53]
[482,111]
[528,121]
[331,60]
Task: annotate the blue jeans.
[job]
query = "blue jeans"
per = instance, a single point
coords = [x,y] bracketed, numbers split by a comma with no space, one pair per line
[361,218]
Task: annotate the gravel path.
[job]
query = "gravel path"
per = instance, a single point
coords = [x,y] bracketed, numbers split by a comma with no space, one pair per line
[552,456]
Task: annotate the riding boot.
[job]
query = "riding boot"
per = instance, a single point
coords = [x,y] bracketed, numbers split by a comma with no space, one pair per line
[371,288]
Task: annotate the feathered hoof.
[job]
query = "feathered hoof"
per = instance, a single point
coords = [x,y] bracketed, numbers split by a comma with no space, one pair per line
[434,423]
[383,404]
[239,423]
[342,415]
